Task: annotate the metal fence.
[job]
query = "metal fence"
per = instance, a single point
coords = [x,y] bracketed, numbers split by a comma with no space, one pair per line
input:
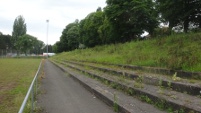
[8,53]
[31,91]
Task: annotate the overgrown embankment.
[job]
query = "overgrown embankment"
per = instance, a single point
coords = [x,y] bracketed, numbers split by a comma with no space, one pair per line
[180,51]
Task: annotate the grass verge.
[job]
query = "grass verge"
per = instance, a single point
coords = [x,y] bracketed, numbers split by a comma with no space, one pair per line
[15,78]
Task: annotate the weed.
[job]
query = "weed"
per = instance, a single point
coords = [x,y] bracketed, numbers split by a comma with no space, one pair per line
[192,81]
[139,79]
[170,110]
[169,84]
[130,91]
[175,78]
[191,112]
[113,85]
[185,92]
[138,82]
[187,101]
[87,67]
[138,85]
[146,99]
[173,96]
[115,105]
[121,79]
[161,91]
[160,82]
[181,110]
[107,82]
[160,104]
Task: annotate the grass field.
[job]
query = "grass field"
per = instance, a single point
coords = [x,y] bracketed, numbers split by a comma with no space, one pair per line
[178,51]
[15,78]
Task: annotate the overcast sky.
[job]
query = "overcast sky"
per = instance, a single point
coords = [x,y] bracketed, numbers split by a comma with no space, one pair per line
[36,12]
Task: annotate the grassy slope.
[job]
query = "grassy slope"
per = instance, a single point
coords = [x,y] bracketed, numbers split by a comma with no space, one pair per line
[15,78]
[181,51]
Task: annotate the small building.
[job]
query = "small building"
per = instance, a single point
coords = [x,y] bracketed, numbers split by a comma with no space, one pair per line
[49,54]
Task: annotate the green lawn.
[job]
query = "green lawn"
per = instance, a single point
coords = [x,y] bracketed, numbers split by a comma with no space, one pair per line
[15,78]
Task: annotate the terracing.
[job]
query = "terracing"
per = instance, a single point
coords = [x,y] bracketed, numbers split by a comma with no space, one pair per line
[138,89]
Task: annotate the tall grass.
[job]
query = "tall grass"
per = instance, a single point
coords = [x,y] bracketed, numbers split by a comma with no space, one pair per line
[179,51]
[15,78]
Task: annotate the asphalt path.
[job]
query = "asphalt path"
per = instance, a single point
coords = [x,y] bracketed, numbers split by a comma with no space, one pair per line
[61,94]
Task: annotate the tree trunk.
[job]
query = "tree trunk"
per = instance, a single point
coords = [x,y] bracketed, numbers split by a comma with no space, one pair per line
[186,24]
[171,25]
[200,25]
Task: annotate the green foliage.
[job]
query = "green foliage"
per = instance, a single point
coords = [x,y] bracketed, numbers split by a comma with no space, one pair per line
[26,42]
[19,29]
[183,12]
[105,32]
[146,99]
[37,47]
[120,21]
[69,38]
[89,27]
[130,18]
[57,48]
[5,41]
[72,36]
[161,32]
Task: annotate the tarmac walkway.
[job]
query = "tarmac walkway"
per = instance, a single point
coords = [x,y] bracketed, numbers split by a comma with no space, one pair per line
[61,94]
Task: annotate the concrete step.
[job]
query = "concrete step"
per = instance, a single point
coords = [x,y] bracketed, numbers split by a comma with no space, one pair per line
[121,102]
[182,86]
[157,95]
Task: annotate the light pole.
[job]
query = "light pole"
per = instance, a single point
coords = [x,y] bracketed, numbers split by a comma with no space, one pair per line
[47,36]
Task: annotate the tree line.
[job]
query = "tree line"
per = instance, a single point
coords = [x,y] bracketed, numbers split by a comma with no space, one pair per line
[125,20]
[20,41]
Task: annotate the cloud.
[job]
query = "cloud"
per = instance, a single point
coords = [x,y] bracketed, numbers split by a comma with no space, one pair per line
[36,12]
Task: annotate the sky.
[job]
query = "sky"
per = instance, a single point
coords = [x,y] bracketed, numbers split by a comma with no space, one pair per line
[35,12]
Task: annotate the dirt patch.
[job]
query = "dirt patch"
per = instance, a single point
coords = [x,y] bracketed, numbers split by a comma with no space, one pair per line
[7,87]
[3,91]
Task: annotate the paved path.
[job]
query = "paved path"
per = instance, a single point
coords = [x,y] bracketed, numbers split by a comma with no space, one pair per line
[61,94]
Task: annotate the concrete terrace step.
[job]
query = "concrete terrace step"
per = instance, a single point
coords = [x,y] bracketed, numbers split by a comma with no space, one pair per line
[125,103]
[156,70]
[171,99]
[152,79]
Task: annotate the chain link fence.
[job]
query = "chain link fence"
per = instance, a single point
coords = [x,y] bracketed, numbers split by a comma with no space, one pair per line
[8,53]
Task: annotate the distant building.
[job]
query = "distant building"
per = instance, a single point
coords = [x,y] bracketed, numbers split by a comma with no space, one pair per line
[49,54]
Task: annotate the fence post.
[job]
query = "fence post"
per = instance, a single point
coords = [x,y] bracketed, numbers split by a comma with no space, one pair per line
[36,84]
[32,99]
[2,53]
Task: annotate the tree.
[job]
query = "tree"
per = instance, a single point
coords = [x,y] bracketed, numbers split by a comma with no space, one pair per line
[37,47]
[180,12]
[5,41]
[105,32]
[72,37]
[69,37]
[26,42]
[130,18]
[19,29]
[57,47]
[89,27]
[172,14]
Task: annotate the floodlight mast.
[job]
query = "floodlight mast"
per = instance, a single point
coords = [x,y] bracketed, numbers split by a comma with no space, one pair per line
[47,36]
